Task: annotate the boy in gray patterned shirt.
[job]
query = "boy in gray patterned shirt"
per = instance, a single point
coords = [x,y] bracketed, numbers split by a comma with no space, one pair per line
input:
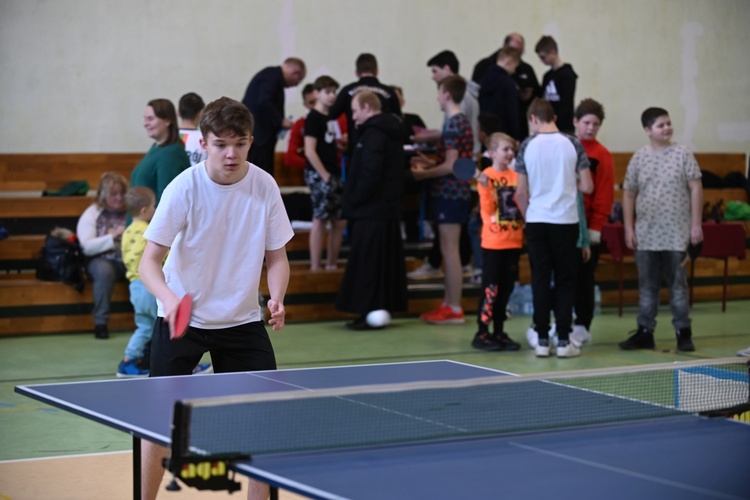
[661,205]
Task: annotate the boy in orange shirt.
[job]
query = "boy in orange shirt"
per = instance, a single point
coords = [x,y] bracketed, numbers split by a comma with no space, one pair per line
[502,239]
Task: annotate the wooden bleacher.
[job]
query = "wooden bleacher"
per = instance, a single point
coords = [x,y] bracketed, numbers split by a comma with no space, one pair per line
[31,306]
[708,272]
[720,164]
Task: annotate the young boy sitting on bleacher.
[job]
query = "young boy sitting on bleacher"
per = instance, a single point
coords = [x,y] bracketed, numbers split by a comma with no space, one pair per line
[661,204]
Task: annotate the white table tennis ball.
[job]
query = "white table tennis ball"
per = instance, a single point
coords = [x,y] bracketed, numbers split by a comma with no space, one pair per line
[378,318]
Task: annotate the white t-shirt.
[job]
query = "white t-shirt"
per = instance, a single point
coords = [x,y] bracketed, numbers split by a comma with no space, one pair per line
[192,140]
[218,236]
[551,162]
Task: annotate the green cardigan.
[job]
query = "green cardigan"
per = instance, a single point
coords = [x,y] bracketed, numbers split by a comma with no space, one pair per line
[160,165]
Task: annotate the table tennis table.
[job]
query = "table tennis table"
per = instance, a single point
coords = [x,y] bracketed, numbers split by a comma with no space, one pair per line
[682,457]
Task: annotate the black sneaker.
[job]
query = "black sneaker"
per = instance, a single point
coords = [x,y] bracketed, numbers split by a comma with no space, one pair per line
[685,340]
[361,324]
[357,324]
[101,331]
[643,339]
[506,343]
[485,342]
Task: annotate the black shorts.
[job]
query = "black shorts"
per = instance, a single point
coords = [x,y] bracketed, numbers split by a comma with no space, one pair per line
[237,349]
[446,211]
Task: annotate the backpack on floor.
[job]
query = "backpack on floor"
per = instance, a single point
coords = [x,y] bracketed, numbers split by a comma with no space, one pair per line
[61,259]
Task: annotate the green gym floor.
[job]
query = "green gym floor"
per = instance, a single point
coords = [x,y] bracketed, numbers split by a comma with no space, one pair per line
[29,429]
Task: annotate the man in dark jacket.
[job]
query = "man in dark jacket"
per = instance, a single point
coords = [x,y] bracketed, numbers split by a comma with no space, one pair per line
[525,77]
[366,69]
[375,276]
[264,98]
[498,94]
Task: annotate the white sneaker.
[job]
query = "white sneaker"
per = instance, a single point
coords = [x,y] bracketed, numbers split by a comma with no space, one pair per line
[580,335]
[568,351]
[476,277]
[553,334]
[541,351]
[532,337]
[425,272]
[744,352]
[468,271]
[203,368]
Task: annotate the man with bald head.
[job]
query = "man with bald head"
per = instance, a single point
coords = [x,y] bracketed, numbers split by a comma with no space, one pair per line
[264,98]
[524,76]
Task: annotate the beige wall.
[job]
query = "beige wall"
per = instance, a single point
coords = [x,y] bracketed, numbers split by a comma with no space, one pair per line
[76,74]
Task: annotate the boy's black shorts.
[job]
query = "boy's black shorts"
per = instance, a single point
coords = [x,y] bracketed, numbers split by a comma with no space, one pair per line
[237,349]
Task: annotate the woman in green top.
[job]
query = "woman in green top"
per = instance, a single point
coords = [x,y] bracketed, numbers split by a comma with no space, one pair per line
[167,157]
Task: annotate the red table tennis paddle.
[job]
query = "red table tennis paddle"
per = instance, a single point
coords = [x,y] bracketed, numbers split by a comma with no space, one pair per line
[465,169]
[182,317]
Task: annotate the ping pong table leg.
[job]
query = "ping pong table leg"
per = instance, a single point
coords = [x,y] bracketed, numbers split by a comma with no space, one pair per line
[136,468]
[274,493]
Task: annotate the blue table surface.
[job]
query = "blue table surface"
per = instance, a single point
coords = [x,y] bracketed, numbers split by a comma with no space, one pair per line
[675,457]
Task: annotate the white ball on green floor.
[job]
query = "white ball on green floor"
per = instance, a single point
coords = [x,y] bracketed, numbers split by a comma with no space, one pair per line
[378,318]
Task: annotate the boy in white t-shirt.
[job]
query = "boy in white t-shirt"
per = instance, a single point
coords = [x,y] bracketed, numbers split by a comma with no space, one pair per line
[552,167]
[218,220]
[190,107]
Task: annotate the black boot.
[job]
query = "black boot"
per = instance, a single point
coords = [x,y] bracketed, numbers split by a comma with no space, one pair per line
[358,324]
[643,339]
[685,340]
[101,331]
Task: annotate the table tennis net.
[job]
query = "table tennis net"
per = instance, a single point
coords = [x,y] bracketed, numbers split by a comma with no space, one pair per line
[307,420]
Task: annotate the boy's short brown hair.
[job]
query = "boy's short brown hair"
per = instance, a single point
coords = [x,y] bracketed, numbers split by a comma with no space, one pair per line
[589,107]
[455,86]
[542,109]
[226,116]
[366,63]
[325,82]
[649,116]
[546,44]
[137,198]
[190,105]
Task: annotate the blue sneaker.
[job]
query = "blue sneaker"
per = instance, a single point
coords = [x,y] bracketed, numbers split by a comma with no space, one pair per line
[129,369]
[203,368]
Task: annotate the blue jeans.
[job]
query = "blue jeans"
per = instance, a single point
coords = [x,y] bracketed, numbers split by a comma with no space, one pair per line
[145,316]
[652,267]
[104,273]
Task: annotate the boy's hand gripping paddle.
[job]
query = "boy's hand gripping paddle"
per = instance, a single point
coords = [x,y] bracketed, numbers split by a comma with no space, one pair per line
[182,317]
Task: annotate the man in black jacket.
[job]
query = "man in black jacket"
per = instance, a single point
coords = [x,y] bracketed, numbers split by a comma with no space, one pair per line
[498,94]
[525,77]
[375,276]
[264,98]
[367,72]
